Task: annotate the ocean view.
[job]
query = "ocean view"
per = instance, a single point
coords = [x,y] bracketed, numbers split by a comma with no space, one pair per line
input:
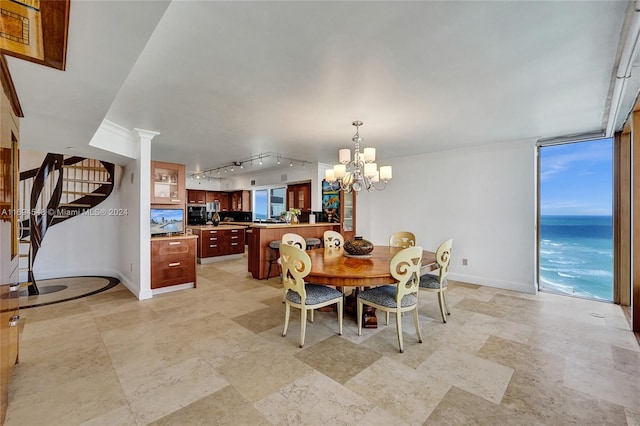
[576,255]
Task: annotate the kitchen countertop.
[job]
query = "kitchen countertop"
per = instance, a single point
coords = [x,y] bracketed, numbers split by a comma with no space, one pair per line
[287,225]
[221,226]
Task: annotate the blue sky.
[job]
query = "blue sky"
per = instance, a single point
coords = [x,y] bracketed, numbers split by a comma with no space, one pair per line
[576,178]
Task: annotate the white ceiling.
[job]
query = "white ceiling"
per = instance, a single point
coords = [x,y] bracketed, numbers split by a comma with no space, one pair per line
[225,81]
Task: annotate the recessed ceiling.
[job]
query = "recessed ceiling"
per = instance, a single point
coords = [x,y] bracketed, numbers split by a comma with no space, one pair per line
[225,81]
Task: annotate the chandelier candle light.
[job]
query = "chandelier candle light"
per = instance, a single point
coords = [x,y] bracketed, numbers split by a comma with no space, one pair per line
[362,172]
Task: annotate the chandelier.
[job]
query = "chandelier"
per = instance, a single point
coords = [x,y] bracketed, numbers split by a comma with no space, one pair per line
[361,172]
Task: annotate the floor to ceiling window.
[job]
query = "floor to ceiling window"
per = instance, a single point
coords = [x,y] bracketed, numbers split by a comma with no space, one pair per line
[576,228]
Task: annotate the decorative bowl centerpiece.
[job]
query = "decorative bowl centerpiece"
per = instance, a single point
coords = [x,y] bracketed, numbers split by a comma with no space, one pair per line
[358,247]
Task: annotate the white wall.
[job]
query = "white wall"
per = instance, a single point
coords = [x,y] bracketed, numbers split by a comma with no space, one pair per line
[482,197]
[128,229]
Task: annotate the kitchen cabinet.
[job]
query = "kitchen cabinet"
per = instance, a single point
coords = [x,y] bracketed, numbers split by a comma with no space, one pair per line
[214,242]
[299,196]
[173,261]
[196,196]
[167,183]
[240,201]
[220,197]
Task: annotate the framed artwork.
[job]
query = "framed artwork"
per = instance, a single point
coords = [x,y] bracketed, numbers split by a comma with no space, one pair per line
[331,202]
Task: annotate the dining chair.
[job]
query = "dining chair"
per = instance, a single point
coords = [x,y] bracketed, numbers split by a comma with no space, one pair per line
[295,266]
[402,239]
[333,239]
[438,282]
[398,298]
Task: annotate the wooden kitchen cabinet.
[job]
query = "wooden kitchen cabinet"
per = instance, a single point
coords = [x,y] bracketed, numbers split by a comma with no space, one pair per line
[173,261]
[219,241]
[196,196]
[167,183]
[299,196]
[220,197]
[240,201]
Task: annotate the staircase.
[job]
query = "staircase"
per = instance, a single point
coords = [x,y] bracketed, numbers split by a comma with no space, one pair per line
[60,189]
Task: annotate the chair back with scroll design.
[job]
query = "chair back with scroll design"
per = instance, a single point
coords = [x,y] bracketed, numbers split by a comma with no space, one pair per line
[333,239]
[438,283]
[402,239]
[296,265]
[294,240]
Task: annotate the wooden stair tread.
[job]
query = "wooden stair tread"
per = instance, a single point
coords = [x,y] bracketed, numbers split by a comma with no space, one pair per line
[84,193]
[97,182]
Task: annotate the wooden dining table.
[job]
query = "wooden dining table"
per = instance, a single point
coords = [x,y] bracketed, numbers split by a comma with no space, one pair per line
[334,267]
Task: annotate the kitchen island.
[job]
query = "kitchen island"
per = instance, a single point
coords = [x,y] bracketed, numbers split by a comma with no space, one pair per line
[259,236]
[221,242]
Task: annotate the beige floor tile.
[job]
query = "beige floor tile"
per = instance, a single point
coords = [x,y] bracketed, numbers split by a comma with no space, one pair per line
[519,356]
[259,374]
[633,417]
[338,358]
[68,402]
[121,416]
[314,399]
[167,390]
[603,382]
[459,407]
[486,324]
[408,394]
[554,404]
[224,407]
[468,372]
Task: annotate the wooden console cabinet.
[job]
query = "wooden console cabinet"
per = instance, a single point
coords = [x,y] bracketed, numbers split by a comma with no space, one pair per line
[173,261]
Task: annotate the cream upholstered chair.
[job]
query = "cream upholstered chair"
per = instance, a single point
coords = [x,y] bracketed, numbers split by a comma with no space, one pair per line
[399,298]
[333,239]
[438,283]
[296,265]
[402,239]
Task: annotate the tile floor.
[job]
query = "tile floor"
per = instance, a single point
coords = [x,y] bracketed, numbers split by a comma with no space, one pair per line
[215,356]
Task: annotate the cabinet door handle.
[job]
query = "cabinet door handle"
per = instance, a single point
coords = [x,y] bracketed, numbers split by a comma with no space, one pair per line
[234,244]
[174,243]
[234,230]
[234,238]
[14,287]
[14,320]
[213,245]
[175,201]
[175,264]
[213,239]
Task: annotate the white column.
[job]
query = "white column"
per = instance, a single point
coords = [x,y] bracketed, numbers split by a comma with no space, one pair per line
[144,188]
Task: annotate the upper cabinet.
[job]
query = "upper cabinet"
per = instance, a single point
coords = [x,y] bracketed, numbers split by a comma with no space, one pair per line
[240,201]
[299,196]
[196,196]
[219,197]
[167,183]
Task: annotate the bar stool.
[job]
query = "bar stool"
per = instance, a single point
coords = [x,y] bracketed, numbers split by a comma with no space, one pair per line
[312,243]
[274,253]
